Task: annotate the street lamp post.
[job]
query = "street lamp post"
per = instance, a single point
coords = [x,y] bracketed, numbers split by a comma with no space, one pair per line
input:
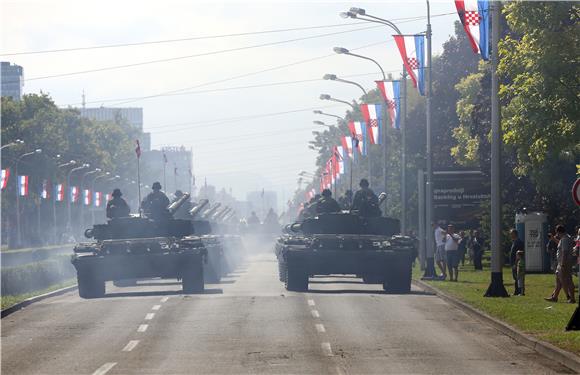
[318,112]
[105,174]
[68,201]
[82,187]
[68,164]
[18,229]
[17,142]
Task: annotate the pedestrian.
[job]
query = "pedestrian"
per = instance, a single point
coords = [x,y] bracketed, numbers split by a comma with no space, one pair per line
[517,245]
[477,250]
[564,267]
[440,249]
[462,249]
[551,249]
[521,271]
[451,252]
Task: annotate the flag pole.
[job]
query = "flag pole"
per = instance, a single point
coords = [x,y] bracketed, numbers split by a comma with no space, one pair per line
[138,152]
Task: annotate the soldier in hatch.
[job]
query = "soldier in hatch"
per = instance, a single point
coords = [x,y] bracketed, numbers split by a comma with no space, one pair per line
[117,207]
[366,201]
[327,204]
[155,203]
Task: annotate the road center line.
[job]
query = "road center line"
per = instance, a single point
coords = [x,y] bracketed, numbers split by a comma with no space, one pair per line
[156,307]
[320,328]
[149,316]
[131,345]
[315,313]
[164,299]
[142,328]
[105,368]
[311,302]
[326,349]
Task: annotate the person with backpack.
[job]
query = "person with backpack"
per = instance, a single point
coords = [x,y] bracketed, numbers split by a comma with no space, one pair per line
[366,201]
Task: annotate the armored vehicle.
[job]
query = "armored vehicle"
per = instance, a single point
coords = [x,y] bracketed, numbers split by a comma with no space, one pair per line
[346,243]
[139,247]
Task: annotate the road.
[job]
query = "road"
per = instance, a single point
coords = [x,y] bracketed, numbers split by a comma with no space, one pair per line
[250,324]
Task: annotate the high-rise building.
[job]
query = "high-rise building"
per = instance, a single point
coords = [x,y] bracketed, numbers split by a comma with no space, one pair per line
[12,79]
[132,115]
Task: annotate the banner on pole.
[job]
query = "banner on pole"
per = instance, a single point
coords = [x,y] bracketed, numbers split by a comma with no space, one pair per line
[23,186]
[474,16]
[412,50]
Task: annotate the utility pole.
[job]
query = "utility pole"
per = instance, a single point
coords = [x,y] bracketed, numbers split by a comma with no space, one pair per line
[496,287]
[403,124]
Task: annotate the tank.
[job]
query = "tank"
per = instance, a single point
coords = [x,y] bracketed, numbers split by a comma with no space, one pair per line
[139,247]
[346,243]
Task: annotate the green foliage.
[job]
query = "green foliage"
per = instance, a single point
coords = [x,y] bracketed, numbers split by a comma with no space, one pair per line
[36,276]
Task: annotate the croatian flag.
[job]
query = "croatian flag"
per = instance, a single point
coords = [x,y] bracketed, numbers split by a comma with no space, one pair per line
[346,142]
[23,186]
[373,115]
[98,198]
[341,157]
[87,197]
[109,197]
[74,194]
[5,177]
[45,189]
[412,49]
[391,93]
[358,129]
[474,16]
[59,192]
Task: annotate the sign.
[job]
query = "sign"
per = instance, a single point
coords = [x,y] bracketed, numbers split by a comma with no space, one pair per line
[576,192]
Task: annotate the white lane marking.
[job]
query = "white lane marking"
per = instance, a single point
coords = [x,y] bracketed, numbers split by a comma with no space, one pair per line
[131,345]
[149,316]
[156,307]
[164,299]
[315,313]
[105,368]
[320,328]
[142,328]
[311,302]
[326,349]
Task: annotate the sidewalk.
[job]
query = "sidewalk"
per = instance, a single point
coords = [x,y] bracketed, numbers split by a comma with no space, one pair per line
[531,314]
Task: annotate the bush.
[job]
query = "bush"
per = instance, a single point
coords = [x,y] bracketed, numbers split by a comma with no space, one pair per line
[36,276]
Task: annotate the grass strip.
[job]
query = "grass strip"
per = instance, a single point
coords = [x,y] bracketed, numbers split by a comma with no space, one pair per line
[530,313]
[10,300]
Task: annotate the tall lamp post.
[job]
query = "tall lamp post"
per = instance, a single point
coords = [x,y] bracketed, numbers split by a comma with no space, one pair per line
[17,142]
[18,229]
[318,112]
[82,186]
[64,165]
[98,177]
[68,201]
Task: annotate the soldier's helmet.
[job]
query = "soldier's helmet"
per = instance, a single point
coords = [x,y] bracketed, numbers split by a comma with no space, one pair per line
[156,186]
[326,193]
[117,193]
[364,183]
[178,193]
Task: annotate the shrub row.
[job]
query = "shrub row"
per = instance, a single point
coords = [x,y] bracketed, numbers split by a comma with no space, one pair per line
[36,276]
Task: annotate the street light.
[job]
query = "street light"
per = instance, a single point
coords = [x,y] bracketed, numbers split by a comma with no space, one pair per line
[84,176]
[333,77]
[323,124]
[17,142]
[18,230]
[318,112]
[344,51]
[328,97]
[68,201]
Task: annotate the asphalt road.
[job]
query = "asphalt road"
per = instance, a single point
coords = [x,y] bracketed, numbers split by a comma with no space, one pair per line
[250,324]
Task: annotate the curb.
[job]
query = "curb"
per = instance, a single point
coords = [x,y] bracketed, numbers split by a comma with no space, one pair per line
[26,302]
[548,350]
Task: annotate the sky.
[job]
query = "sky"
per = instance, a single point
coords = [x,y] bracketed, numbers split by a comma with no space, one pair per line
[209,94]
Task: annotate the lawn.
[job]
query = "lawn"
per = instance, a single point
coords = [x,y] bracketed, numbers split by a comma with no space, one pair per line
[9,300]
[531,314]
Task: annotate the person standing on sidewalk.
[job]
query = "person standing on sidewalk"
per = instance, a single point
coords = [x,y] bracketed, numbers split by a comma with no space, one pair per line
[517,245]
[452,252]
[440,249]
[564,267]
[477,250]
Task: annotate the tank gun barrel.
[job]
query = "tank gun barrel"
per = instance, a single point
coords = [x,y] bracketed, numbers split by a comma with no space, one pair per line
[222,214]
[382,198]
[211,211]
[173,207]
[199,207]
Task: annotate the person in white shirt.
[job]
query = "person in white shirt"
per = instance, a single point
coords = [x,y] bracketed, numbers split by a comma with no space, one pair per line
[452,255]
[440,249]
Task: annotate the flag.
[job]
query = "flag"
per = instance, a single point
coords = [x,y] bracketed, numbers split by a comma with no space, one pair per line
[86,197]
[164,157]
[391,93]
[5,177]
[342,156]
[474,16]
[412,49]
[23,186]
[346,141]
[59,192]
[74,194]
[98,198]
[45,189]
[358,131]
[137,149]
[373,115]
[108,197]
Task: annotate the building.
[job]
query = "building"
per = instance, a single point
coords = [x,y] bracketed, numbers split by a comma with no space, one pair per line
[12,78]
[132,115]
[172,166]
